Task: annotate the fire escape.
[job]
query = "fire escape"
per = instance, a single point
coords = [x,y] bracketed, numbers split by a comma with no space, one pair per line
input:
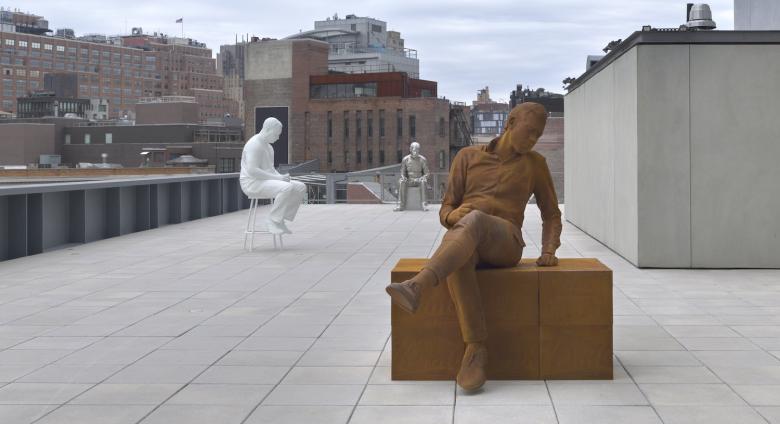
[460,133]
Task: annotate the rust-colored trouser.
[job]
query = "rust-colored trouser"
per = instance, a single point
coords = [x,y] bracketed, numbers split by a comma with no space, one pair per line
[477,239]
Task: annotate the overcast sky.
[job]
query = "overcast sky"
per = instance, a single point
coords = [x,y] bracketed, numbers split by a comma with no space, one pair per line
[464,45]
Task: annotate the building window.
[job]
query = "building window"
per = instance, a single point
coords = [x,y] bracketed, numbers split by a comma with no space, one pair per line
[441,159]
[370,123]
[22,43]
[370,156]
[399,123]
[47,47]
[346,125]
[381,123]
[358,124]
[330,124]
[226,165]
[87,139]
[382,156]
[376,28]
[330,156]
[67,138]
[399,155]
[9,42]
[358,156]
[441,127]
[36,45]
[109,138]
[341,91]
[412,126]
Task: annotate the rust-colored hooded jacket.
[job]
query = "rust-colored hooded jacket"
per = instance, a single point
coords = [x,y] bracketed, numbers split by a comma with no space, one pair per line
[502,189]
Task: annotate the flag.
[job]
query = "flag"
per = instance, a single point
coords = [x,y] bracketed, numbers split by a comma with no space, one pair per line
[180,20]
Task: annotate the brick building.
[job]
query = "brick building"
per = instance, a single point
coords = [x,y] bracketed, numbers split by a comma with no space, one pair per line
[120,70]
[348,122]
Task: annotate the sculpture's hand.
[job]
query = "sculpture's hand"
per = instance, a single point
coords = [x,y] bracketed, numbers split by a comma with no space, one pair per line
[459,213]
[547,259]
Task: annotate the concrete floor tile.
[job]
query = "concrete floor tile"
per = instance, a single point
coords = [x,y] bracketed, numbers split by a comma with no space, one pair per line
[515,414]
[96,414]
[673,375]
[156,374]
[268,414]
[506,393]
[127,394]
[709,415]
[759,394]
[242,375]
[40,393]
[691,394]
[23,414]
[595,393]
[328,375]
[386,394]
[56,373]
[272,358]
[220,394]
[335,358]
[198,414]
[569,414]
[365,414]
[316,394]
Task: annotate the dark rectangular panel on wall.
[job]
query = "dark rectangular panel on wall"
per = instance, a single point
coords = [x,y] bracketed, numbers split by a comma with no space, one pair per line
[161,199]
[96,221]
[186,206]
[4,242]
[216,201]
[78,216]
[34,223]
[56,219]
[128,211]
[195,200]
[17,226]
[175,203]
[281,147]
[113,210]
[143,208]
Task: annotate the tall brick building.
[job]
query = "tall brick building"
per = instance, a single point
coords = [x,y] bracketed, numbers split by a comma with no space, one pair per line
[347,121]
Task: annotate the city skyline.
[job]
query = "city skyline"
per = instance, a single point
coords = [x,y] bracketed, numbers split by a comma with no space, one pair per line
[462,47]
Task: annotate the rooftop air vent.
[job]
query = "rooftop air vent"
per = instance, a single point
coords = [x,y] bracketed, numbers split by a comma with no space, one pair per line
[700,17]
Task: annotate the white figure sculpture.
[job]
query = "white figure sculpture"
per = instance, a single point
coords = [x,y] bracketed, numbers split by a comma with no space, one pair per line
[259,178]
[414,173]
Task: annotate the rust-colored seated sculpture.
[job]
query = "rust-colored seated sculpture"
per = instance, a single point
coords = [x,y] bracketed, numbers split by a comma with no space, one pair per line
[489,187]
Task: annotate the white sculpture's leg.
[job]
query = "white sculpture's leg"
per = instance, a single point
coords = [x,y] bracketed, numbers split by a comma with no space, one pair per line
[287,199]
[254,226]
[423,202]
[248,221]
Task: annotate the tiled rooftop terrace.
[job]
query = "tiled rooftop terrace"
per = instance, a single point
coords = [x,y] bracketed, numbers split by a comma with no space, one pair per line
[181,325]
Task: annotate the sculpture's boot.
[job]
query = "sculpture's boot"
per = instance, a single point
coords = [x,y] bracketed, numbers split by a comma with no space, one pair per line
[472,370]
[275,227]
[407,294]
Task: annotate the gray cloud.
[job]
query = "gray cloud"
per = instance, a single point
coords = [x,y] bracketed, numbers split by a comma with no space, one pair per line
[464,45]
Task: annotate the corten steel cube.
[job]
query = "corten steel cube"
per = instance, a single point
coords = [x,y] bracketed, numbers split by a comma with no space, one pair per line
[543,323]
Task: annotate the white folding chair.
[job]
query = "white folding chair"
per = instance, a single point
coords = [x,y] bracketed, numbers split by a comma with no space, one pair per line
[251,230]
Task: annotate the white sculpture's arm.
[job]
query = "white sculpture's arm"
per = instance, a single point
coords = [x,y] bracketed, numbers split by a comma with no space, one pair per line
[260,165]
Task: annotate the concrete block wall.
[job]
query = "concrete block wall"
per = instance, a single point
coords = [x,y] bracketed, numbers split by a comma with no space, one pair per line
[672,155]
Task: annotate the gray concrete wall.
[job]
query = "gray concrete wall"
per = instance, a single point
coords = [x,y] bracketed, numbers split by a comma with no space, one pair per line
[601,151]
[735,146]
[672,156]
[664,156]
[753,15]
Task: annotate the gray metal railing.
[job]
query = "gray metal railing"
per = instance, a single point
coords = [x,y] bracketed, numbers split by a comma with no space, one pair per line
[37,217]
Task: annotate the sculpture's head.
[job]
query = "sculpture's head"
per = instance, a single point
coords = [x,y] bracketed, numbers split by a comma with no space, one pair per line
[272,129]
[524,126]
[414,149]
